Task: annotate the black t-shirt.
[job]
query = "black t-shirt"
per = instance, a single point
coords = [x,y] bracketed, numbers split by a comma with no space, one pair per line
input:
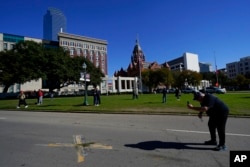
[215,106]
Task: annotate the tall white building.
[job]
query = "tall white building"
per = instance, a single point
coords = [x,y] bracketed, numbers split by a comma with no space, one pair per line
[188,61]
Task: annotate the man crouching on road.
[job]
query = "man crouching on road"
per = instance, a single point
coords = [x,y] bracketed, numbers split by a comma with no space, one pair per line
[217,112]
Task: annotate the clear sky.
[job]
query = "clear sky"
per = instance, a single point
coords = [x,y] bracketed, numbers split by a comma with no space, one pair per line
[165,28]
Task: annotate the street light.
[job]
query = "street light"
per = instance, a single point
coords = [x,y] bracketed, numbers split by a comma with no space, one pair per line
[85,103]
[140,81]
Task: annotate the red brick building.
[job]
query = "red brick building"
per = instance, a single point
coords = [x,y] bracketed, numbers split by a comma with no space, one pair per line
[138,64]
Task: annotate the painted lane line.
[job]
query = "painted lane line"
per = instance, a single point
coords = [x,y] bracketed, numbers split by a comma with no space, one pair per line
[190,131]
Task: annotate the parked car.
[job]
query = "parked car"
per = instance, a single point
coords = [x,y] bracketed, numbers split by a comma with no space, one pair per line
[172,90]
[188,90]
[220,90]
[212,89]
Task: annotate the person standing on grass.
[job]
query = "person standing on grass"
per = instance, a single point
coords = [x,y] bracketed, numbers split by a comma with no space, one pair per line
[40,97]
[22,100]
[164,95]
[177,93]
[96,97]
[217,112]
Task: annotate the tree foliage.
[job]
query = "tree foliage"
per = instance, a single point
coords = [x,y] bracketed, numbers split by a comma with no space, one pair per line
[21,64]
[29,60]
[154,78]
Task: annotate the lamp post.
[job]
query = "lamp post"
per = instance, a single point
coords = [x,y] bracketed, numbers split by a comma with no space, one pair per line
[85,103]
[140,81]
[186,83]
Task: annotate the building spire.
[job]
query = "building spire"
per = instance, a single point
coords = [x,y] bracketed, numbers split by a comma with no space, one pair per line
[137,39]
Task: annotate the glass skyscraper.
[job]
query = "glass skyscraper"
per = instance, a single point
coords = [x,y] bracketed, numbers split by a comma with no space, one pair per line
[54,22]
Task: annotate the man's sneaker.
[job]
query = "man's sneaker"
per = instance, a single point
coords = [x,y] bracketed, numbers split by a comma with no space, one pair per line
[220,148]
[210,142]
[26,106]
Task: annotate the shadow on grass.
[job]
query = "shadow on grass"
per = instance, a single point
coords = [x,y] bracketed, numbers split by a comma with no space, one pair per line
[152,145]
[246,97]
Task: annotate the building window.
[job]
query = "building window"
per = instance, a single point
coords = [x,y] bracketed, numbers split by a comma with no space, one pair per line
[5,46]
[78,51]
[12,46]
[97,56]
[85,52]
[71,51]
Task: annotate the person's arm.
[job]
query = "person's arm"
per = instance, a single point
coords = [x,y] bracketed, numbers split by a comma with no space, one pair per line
[200,109]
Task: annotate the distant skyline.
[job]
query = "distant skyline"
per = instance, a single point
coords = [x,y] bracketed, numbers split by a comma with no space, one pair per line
[165,29]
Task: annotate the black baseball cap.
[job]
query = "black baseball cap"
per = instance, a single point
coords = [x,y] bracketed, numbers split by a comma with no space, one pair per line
[197,95]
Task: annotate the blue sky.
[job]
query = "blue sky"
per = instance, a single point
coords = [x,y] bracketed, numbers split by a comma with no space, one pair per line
[166,28]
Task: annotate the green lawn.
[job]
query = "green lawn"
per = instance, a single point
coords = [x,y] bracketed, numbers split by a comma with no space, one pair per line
[146,103]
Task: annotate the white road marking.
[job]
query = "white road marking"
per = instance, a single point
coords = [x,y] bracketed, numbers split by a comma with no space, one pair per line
[190,131]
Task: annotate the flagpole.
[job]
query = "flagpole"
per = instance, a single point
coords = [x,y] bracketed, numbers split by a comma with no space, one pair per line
[216,72]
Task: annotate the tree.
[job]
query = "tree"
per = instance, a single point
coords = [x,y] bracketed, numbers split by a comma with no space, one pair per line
[29,60]
[146,78]
[61,69]
[193,78]
[154,78]
[166,77]
[21,64]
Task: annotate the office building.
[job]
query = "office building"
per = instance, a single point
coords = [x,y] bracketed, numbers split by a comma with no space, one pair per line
[238,67]
[205,67]
[54,22]
[93,49]
[188,61]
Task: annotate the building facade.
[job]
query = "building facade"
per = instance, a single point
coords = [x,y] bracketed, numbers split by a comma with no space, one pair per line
[205,67]
[239,67]
[93,49]
[54,21]
[188,61]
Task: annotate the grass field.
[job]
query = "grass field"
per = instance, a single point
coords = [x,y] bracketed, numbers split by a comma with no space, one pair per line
[239,104]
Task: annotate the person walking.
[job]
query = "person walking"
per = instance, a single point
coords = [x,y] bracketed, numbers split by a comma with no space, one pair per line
[217,111]
[135,93]
[22,100]
[177,93]
[40,97]
[164,95]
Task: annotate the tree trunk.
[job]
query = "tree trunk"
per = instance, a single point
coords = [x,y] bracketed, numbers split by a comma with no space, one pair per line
[6,87]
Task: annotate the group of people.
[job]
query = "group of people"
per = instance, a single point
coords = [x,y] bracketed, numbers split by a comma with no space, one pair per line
[216,110]
[22,98]
[165,91]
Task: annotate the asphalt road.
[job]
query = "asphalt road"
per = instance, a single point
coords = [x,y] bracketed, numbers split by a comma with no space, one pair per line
[37,139]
